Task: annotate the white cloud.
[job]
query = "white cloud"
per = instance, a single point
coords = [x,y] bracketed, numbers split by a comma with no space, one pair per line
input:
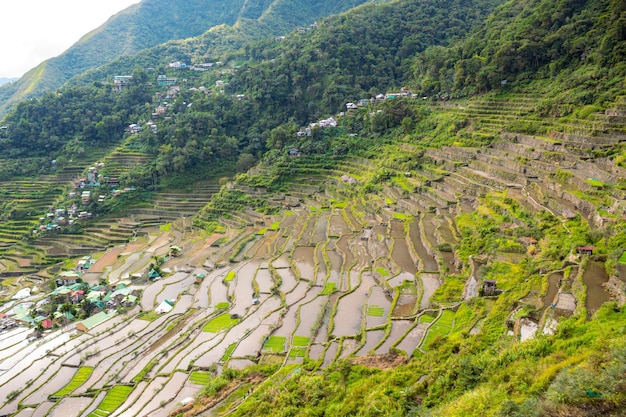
[32,31]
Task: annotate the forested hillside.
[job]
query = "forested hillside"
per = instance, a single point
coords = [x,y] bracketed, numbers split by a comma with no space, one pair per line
[413,208]
[153,22]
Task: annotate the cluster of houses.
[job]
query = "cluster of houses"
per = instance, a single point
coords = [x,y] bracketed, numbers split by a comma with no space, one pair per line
[322,124]
[67,302]
[364,102]
[83,196]
[72,298]
[196,67]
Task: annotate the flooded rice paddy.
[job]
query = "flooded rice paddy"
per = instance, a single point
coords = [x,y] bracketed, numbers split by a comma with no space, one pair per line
[316,276]
[595,278]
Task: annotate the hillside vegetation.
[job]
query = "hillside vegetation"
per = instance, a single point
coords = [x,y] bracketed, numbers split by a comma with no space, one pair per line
[154,22]
[360,218]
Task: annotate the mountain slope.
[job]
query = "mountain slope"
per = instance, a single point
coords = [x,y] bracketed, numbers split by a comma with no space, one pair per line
[278,18]
[146,24]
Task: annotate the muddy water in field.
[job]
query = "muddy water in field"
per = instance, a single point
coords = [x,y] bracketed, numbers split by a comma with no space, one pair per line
[153,388]
[218,290]
[297,294]
[400,279]
[377,299]
[377,243]
[264,280]
[412,340]
[321,265]
[319,233]
[289,322]
[253,343]
[336,263]
[372,339]
[349,310]
[338,226]
[288,280]
[331,353]
[430,282]
[397,229]
[70,407]
[169,391]
[348,347]
[25,412]
[316,352]
[352,224]
[242,293]
[429,228]
[414,233]
[553,286]
[172,291]
[343,245]
[398,328]
[446,233]
[308,230]
[405,305]
[402,256]
[281,262]
[263,248]
[594,277]
[303,257]
[310,310]
[57,382]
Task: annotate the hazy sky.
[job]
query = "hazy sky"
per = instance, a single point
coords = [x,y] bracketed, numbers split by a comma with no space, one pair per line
[32,31]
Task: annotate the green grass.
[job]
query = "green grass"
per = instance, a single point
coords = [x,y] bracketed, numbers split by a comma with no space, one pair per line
[262,231]
[622,259]
[219,323]
[375,311]
[382,271]
[149,315]
[222,306]
[165,227]
[275,226]
[329,288]
[426,318]
[388,201]
[78,379]
[275,344]
[145,371]
[229,351]
[297,353]
[114,398]
[399,216]
[339,204]
[200,377]
[441,327]
[229,276]
[594,182]
[301,341]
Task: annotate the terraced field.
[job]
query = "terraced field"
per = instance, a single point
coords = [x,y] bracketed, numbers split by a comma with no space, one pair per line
[334,274]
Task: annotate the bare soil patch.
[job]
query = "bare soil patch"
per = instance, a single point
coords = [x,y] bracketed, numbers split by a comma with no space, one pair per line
[386,361]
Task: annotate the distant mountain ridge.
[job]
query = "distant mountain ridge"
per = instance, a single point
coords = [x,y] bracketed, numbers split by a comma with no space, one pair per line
[5,80]
[147,24]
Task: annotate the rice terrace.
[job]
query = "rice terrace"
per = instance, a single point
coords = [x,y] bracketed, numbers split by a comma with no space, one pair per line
[332,275]
[331,208]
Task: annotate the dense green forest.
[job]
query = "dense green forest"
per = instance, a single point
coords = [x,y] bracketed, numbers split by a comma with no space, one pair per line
[154,22]
[578,43]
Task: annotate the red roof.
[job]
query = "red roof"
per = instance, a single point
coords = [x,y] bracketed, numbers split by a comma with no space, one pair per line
[46,323]
[586,248]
